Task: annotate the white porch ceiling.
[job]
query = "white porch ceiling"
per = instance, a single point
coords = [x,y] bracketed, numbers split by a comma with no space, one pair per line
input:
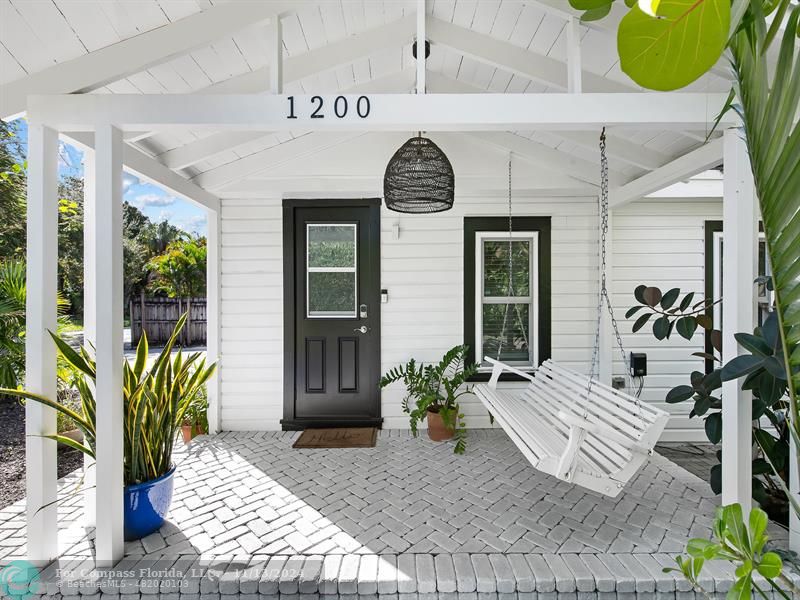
[502,46]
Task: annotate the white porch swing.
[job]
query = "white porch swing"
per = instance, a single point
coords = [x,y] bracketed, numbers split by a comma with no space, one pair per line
[567,424]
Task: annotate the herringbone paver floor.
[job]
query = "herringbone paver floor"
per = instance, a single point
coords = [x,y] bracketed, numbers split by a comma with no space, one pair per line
[252,494]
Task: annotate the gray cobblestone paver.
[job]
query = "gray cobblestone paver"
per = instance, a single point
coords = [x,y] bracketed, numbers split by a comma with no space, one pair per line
[253,519]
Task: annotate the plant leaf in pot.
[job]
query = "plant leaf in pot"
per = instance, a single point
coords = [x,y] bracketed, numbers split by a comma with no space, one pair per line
[155,403]
[432,393]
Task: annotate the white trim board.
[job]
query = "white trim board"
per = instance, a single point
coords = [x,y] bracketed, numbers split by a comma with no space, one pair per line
[387,112]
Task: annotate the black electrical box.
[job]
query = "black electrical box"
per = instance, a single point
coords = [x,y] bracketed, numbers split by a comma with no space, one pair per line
[638,364]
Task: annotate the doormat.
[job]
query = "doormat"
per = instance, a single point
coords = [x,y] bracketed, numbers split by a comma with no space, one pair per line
[342,437]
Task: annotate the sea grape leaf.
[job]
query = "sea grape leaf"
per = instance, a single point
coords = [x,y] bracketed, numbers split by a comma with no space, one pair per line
[675,48]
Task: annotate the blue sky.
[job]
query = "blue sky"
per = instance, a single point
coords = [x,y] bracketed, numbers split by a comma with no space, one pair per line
[152,200]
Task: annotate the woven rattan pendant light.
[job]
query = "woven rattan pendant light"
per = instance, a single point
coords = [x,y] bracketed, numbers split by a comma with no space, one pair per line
[419,178]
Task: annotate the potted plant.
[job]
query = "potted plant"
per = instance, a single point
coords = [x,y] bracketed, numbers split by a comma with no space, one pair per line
[434,391]
[195,422]
[155,402]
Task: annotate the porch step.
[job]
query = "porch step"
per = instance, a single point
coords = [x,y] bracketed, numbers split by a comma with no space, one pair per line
[382,577]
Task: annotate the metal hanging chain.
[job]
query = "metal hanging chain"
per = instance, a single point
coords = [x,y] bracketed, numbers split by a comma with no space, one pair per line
[603,297]
[510,290]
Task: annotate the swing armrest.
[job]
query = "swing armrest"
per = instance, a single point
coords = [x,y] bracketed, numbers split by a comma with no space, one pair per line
[603,431]
[498,368]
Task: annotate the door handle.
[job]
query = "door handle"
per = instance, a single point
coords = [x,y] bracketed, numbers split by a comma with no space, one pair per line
[362,329]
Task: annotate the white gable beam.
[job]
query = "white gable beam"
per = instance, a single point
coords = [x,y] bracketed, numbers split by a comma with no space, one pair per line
[193,152]
[574,68]
[141,165]
[388,112]
[618,148]
[96,69]
[396,33]
[544,156]
[276,53]
[686,166]
[189,154]
[508,57]
[465,186]
[421,39]
[299,147]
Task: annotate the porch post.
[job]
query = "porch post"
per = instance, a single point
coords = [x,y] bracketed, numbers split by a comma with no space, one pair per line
[739,270]
[107,258]
[40,351]
[212,317]
[89,327]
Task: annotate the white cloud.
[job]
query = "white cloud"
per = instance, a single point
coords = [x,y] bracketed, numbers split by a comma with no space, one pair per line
[128,180]
[193,224]
[165,215]
[144,200]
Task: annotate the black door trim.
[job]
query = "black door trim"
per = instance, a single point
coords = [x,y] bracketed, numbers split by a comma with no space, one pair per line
[290,422]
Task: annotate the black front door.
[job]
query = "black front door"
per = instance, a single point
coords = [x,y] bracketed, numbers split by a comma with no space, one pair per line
[332,259]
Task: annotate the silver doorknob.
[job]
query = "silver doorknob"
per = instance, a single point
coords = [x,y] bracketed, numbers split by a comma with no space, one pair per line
[362,329]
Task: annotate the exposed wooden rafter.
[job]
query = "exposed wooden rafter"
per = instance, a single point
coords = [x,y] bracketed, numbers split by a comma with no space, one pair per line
[507,56]
[138,163]
[701,159]
[96,69]
[193,152]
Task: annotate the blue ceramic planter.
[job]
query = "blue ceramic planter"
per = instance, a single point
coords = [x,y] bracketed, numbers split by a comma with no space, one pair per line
[146,505]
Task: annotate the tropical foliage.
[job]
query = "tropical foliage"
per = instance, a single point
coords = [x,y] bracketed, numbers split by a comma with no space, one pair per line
[436,388]
[673,312]
[668,44]
[156,401]
[13,293]
[744,545]
[180,272]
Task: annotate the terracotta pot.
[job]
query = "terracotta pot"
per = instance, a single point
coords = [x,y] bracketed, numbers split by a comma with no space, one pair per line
[436,428]
[75,435]
[187,432]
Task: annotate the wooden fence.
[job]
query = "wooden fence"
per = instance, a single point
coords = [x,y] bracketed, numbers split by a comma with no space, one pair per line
[161,316]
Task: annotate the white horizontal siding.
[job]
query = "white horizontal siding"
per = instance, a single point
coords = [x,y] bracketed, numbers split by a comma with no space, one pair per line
[251,321]
[655,242]
[662,243]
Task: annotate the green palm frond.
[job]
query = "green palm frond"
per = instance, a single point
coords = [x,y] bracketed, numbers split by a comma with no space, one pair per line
[155,401]
[769,102]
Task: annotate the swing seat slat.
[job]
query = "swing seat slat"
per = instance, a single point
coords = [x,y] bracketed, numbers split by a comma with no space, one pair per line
[597,439]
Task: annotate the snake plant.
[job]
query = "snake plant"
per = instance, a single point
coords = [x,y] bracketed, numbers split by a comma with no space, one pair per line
[155,402]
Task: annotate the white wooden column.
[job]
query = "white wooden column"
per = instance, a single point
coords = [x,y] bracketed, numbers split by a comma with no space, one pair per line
[421,60]
[276,53]
[739,269]
[89,312]
[574,68]
[108,316]
[40,351]
[212,317]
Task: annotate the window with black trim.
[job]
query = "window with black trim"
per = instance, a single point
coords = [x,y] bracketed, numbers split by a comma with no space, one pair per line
[713,279]
[507,291]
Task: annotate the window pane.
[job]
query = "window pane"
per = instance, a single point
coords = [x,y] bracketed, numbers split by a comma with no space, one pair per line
[495,268]
[332,294]
[332,246]
[506,331]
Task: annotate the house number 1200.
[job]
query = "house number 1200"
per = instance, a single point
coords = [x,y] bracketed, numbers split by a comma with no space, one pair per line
[340,107]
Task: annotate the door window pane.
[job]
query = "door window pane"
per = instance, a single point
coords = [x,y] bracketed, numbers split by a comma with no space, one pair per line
[331,246]
[506,332]
[331,270]
[331,294]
